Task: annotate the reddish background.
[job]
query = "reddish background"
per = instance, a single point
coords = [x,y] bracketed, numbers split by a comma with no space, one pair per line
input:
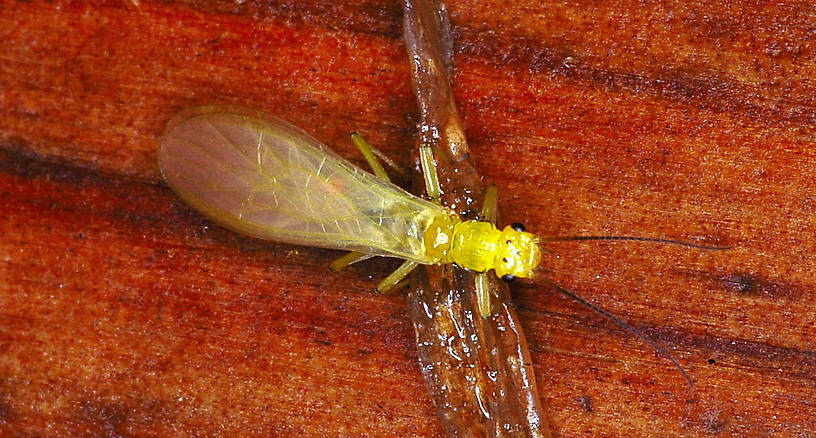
[124,313]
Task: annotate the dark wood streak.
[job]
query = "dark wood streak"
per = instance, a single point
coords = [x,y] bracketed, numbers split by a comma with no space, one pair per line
[746,284]
[707,89]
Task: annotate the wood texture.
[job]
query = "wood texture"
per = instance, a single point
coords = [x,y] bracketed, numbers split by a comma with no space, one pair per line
[124,313]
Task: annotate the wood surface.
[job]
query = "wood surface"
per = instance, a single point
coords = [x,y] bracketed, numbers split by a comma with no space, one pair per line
[124,313]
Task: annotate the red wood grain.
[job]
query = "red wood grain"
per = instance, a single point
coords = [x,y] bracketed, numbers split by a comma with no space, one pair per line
[122,312]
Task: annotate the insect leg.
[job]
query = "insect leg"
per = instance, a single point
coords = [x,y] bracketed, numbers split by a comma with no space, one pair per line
[343,261]
[396,276]
[426,159]
[482,286]
[489,207]
[483,294]
[370,154]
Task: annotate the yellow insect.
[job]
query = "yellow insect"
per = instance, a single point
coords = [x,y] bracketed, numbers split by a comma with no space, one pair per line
[261,176]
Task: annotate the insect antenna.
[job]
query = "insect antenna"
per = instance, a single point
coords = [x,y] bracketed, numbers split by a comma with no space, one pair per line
[622,324]
[634,239]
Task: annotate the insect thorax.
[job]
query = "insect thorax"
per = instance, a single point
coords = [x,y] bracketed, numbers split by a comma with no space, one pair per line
[480,246]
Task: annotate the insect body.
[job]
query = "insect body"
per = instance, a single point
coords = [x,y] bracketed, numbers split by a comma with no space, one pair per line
[480,246]
[261,176]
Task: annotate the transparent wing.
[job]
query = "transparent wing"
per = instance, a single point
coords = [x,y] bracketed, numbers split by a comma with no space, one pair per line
[261,176]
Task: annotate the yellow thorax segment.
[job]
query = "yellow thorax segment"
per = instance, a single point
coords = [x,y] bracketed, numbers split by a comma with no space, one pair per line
[480,246]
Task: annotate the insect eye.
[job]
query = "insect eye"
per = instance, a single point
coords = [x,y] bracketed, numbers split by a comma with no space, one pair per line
[517,226]
[508,278]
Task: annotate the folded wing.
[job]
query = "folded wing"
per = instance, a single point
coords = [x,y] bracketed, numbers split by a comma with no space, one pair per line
[261,176]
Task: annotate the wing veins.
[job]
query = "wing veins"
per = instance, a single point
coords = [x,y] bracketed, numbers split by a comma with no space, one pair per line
[349,206]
